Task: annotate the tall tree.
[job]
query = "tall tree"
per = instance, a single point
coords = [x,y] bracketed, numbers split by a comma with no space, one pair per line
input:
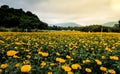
[116,27]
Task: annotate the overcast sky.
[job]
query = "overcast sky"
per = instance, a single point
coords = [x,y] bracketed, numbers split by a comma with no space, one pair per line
[83,12]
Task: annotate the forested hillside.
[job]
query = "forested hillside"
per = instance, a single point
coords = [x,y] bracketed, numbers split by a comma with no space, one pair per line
[10,17]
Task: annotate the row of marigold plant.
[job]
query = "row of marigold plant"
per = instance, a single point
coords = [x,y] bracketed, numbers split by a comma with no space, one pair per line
[59,52]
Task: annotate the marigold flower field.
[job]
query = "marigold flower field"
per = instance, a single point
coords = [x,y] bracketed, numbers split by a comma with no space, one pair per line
[59,52]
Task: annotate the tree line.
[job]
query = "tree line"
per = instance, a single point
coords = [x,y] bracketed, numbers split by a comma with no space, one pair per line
[90,28]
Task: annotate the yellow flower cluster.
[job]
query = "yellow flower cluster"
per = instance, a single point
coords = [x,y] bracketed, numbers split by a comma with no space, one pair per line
[43,64]
[60,60]
[58,54]
[19,43]
[68,52]
[98,62]
[26,68]
[68,57]
[49,73]
[86,61]
[66,68]
[108,49]
[76,66]
[1,71]
[70,72]
[26,62]
[52,64]
[28,56]
[103,68]
[111,71]
[103,57]
[44,54]
[15,56]
[114,58]
[11,52]
[3,66]
[17,65]
[1,41]
[88,70]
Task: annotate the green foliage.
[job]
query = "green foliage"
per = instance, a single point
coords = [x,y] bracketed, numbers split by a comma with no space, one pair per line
[116,27]
[10,17]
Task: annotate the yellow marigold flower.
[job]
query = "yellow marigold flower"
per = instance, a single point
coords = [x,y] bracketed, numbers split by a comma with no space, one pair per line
[15,56]
[1,41]
[40,52]
[76,66]
[28,56]
[73,53]
[66,68]
[17,65]
[58,54]
[103,57]
[36,57]
[50,73]
[43,64]
[11,52]
[113,47]
[103,68]
[70,48]
[52,64]
[29,53]
[86,61]
[114,58]
[108,49]
[18,43]
[26,62]
[25,68]
[98,62]
[111,57]
[45,54]
[88,70]
[111,71]
[15,47]
[3,66]
[0,70]
[60,60]
[71,59]
[69,72]
[92,48]
[26,50]
[68,57]
[65,51]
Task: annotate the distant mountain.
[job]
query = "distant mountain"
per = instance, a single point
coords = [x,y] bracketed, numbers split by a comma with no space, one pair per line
[110,24]
[66,25]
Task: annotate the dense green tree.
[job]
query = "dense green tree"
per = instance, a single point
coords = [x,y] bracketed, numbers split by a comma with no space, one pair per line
[116,27]
[4,6]
[10,17]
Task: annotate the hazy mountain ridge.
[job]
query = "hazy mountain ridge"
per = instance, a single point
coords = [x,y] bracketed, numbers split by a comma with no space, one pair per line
[110,24]
[66,25]
[71,24]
